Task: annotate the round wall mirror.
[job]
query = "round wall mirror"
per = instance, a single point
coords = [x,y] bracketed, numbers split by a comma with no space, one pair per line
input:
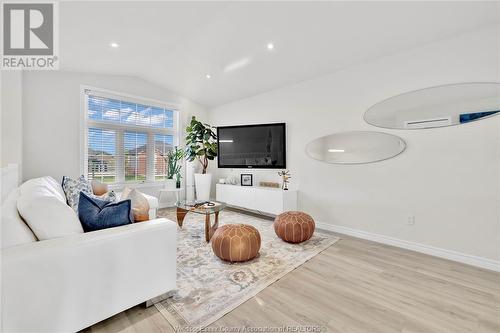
[355,147]
[440,106]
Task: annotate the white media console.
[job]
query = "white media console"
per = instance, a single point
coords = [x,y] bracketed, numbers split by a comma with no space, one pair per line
[261,199]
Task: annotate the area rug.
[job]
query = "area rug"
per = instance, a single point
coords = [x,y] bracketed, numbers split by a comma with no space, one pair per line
[208,288]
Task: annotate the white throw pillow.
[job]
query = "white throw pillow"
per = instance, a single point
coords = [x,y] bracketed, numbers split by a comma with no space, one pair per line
[14,230]
[140,205]
[43,206]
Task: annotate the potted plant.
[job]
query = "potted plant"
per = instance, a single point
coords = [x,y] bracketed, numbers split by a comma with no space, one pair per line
[172,166]
[201,145]
[178,177]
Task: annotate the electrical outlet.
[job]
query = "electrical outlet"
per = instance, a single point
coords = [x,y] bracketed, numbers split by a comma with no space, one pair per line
[410,220]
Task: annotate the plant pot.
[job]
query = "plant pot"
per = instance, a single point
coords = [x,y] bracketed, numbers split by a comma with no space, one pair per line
[202,183]
[170,184]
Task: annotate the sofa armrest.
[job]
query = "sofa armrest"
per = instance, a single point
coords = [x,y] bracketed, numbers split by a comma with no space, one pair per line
[67,284]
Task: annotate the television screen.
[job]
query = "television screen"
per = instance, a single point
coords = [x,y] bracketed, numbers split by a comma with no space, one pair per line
[252,146]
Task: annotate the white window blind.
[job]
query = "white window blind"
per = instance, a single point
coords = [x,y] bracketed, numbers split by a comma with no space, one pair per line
[126,138]
[162,144]
[102,154]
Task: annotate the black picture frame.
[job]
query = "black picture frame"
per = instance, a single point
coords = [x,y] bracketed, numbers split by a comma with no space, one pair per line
[249,177]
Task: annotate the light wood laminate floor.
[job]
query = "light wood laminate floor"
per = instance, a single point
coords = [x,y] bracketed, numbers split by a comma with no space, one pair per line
[358,286]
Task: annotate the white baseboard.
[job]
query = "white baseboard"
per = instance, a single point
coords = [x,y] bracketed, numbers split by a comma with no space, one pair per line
[417,247]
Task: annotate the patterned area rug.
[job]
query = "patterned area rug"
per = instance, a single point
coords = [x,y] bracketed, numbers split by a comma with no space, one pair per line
[208,288]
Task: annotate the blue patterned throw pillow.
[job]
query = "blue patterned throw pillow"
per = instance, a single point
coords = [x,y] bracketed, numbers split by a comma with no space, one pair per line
[72,189]
[96,214]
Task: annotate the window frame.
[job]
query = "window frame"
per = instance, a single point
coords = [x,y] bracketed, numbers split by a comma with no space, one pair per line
[86,123]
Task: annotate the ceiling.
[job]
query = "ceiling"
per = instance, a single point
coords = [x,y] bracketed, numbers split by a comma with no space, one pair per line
[176,44]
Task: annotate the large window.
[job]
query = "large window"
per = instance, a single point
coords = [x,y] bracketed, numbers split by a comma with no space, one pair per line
[127,138]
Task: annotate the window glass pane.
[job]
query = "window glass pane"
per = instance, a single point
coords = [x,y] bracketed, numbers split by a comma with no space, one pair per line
[101,155]
[123,112]
[111,110]
[169,118]
[162,144]
[95,108]
[128,113]
[135,147]
[143,115]
[157,117]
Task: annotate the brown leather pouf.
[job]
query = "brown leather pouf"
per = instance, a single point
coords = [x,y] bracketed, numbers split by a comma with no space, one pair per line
[294,227]
[236,242]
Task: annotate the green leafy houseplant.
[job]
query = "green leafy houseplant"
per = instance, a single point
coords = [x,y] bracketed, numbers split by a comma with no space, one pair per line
[201,143]
[172,158]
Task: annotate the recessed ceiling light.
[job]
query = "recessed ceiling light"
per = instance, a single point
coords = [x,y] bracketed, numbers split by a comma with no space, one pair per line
[270,46]
[336,150]
[114,45]
[208,76]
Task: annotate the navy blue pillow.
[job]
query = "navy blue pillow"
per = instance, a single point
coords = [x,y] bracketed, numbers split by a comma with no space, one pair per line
[96,214]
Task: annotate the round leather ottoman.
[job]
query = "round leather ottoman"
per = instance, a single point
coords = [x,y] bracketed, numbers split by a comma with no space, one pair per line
[236,242]
[294,227]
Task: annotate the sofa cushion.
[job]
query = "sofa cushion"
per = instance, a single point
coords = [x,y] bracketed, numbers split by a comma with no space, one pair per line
[140,204]
[98,188]
[14,230]
[72,189]
[96,214]
[41,203]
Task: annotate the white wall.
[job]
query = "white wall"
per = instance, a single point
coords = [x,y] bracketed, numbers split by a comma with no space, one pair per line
[51,117]
[448,177]
[11,120]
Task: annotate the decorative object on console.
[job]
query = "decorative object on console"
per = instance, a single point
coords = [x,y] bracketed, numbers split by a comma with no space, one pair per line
[269,184]
[140,205]
[72,189]
[232,180]
[222,181]
[96,214]
[201,145]
[172,167]
[294,227]
[236,242]
[246,179]
[286,176]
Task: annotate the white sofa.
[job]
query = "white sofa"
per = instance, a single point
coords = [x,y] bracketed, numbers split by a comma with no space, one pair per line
[68,283]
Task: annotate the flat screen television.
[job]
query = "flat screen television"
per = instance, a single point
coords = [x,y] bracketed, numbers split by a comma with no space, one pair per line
[252,146]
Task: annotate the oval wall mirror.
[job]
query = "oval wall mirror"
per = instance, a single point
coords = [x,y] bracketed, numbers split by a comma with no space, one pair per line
[355,147]
[447,105]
